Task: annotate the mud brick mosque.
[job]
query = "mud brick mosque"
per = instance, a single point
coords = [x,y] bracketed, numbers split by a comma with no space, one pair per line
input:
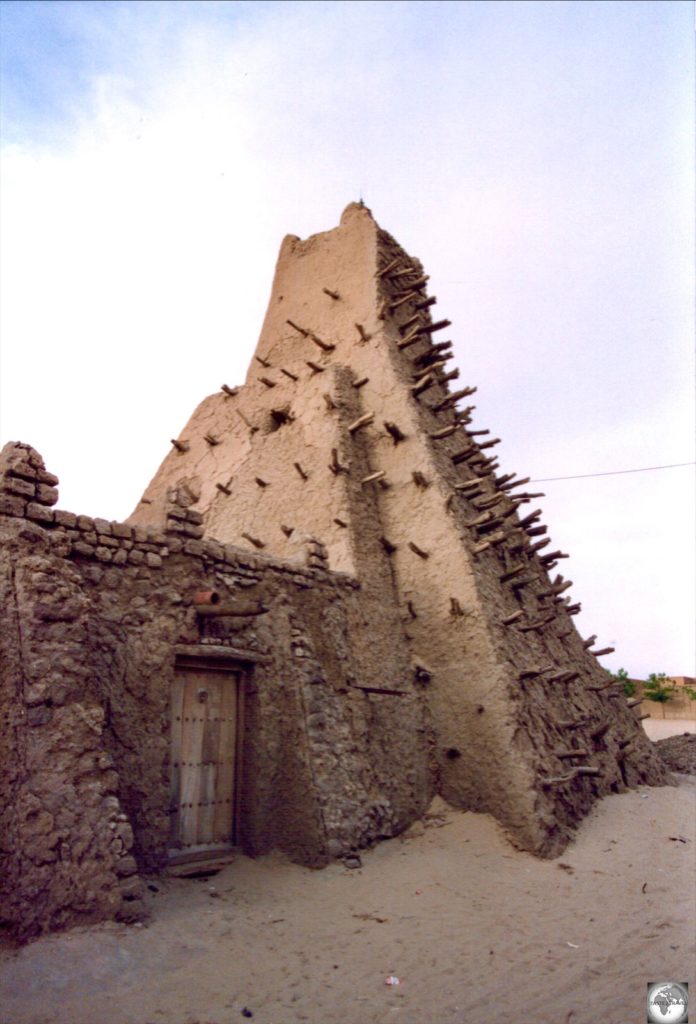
[329,605]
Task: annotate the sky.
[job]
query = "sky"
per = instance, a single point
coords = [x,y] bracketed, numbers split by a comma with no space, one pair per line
[537,157]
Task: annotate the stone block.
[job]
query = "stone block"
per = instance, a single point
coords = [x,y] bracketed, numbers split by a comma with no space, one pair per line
[175,526]
[194,547]
[120,557]
[122,530]
[192,516]
[108,542]
[40,513]
[68,519]
[44,477]
[22,470]
[153,560]
[136,557]
[214,550]
[40,715]
[193,531]
[173,512]
[175,545]
[11,505]
[46,495]
[102,526]
[85,523]
[131,888]
[13,485]
[81,548]
[103,554]
[126,867]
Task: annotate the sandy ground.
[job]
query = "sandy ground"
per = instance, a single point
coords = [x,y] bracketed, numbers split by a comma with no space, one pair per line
[474,930]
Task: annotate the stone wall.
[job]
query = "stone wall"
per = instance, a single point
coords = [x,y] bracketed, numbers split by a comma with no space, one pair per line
[94,614]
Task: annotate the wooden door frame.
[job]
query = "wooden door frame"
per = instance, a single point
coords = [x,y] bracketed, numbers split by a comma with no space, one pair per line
[223,660]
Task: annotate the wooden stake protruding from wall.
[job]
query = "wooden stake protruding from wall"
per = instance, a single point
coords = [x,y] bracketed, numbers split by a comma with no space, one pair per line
[301,471]
[288,373]
[393,306]
[230,392]
[410,339]
[361,422]
[418,551]
[434,351]
[325,346]
[453,399]
[181,446]
[224,489]
[373,477]
[439,325]
[513,617]
[428,380]
[419,479]
[211,439]
[440,435]
[394,432]
[268,382]
[263,362]
[254,540]
[331,294]
[335,465]
[390,266]
[364,336]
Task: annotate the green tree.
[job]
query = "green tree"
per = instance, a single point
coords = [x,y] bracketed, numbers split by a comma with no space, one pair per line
[629,687]
[659,688]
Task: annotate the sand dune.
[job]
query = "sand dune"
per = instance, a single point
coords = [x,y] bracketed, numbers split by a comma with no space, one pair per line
[474,930]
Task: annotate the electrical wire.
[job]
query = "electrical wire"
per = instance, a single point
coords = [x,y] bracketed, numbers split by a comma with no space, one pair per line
[615,472]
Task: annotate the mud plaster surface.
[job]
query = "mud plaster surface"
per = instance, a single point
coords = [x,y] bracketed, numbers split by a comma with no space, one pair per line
[475,931]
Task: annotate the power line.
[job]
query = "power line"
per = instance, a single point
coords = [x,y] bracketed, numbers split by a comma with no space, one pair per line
[615,472]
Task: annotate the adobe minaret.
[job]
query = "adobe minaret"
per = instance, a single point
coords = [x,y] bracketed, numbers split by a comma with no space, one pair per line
[346,436]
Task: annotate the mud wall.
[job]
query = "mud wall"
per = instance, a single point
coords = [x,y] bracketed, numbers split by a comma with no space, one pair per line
[93,616]
[349,428]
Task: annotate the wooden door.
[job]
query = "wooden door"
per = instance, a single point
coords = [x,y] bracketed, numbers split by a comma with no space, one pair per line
[205,719]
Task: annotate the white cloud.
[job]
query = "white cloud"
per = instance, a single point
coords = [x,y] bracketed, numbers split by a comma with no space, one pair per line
[537,171]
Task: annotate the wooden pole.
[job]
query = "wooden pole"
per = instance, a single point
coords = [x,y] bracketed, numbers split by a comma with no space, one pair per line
[418,551]
[362,421]
[254,540]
